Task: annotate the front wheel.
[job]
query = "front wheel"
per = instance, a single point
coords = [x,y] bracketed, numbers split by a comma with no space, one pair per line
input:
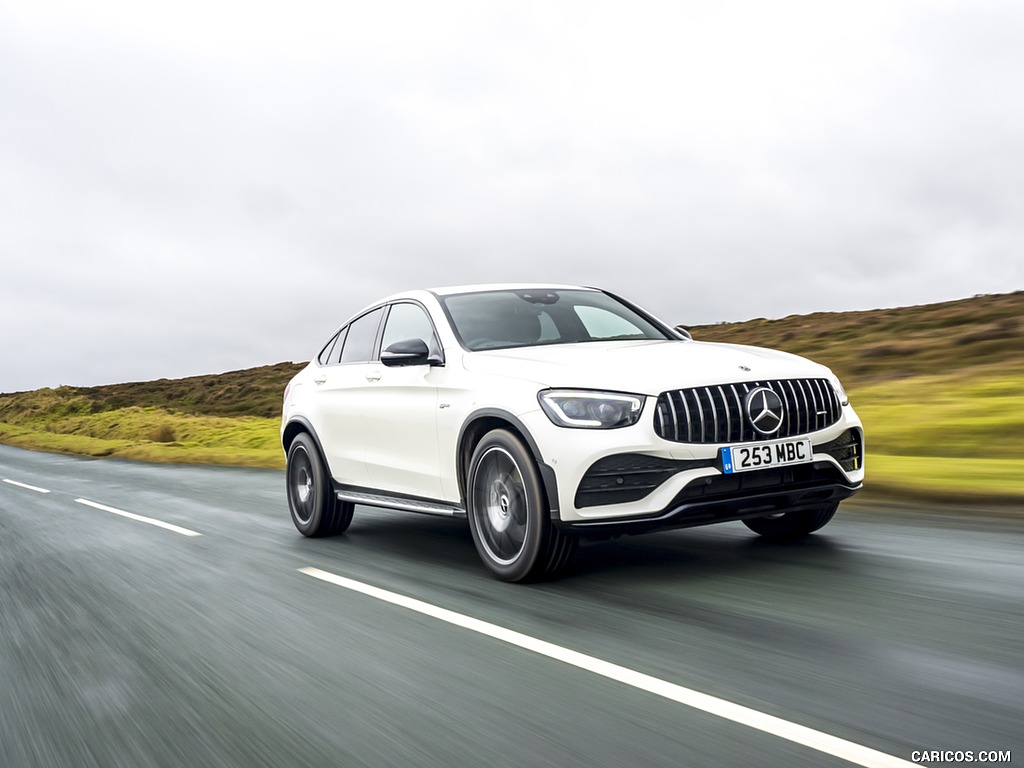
[792,525]
[508,512]
[315,509]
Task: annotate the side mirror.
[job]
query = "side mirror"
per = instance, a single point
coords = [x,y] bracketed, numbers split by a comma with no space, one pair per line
[682,331]
[408,352]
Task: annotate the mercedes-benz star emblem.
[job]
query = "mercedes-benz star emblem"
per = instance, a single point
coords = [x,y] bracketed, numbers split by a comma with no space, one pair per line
[765,410]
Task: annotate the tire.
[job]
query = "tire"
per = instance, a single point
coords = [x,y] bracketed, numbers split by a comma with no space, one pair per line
[791,525]
[508,512]
[315,509]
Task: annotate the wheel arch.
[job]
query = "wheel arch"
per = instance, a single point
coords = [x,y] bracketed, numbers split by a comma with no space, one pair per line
[296,426]
[483,421]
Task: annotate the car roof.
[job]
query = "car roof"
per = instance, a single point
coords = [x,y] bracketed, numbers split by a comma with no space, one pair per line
[455,290]
[452,290]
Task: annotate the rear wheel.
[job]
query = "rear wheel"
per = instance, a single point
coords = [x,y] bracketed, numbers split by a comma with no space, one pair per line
[792,525]
[508,512]
[315,509]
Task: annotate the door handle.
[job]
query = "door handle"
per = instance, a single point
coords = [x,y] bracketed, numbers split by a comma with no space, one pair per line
[320,380]
[373,376]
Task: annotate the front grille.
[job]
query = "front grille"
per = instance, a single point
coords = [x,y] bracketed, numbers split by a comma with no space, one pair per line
[716,414]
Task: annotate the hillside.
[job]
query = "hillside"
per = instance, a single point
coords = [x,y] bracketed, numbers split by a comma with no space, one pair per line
[885,344]
[940,388]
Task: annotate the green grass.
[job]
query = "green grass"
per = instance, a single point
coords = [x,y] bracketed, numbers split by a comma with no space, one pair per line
[947,480]
[940,389]
[978,415]
[129,433]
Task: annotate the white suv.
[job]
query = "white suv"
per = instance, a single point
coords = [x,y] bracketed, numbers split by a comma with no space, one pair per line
[544,414]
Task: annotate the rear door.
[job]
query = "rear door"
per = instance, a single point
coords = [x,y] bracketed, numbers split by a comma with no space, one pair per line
[342,389]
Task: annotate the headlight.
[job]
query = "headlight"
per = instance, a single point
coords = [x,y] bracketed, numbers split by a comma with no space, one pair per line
[590,410]
[843,397]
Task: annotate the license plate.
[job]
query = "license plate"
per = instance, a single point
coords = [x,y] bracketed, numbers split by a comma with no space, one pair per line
[779,453]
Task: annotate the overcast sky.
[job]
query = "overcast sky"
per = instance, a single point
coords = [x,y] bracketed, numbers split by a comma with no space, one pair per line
[195,187]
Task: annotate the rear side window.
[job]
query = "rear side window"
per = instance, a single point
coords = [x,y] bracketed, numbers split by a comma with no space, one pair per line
[362,332]
[328,352]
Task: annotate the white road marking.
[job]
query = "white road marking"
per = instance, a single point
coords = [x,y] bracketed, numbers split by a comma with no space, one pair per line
[808,737]
[140,518]
[26,485]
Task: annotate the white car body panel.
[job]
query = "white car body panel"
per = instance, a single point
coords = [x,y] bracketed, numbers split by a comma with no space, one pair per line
[640,367]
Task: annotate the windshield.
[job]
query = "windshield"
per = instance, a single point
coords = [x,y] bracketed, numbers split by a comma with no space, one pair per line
[503,319]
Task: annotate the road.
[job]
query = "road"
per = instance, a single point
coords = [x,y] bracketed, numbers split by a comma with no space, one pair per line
[202,630]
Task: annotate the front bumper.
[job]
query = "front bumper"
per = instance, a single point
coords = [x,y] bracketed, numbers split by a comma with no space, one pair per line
[716,499]
[633,479]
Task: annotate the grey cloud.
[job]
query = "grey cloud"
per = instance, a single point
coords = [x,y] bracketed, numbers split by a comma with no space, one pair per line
[174,208]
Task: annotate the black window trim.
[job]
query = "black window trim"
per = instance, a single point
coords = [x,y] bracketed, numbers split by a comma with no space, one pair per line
[329,348]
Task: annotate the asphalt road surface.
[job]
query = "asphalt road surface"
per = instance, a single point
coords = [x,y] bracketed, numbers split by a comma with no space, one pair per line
[172,616]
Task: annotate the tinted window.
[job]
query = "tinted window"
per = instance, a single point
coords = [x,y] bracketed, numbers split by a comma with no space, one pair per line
[338,346]
[407,321]
[361,334]
[325,354]
[501,319]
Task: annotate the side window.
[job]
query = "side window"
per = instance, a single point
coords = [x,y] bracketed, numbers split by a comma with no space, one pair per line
[362,332]
[325,354]
[407,321]
[336,352]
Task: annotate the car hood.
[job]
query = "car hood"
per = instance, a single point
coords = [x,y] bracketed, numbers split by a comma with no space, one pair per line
[642,367]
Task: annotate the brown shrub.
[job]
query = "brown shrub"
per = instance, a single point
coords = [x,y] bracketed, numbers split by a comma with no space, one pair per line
[886,350]
[163,434]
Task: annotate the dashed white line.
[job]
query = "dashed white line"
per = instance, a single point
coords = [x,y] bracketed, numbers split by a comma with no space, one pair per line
[808,737]
[140,518]
[26,485]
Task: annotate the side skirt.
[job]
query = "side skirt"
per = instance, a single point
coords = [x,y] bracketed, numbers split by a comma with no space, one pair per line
[404,503]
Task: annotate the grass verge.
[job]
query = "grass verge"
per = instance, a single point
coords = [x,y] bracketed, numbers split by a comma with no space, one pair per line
[129,433]
[945,480]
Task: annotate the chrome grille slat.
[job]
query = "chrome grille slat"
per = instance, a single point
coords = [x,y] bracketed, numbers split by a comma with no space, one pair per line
[803,396]
[715,414]
[689,421]
[739,410]
[725,407]
[792,390]
[791,426]
[820,409]
[700,414]
[813,412]
[675,417]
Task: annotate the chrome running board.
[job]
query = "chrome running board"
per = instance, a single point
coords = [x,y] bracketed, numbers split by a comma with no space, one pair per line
[406,505]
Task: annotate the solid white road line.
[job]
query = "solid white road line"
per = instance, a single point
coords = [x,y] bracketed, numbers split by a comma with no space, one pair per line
[26,485]
[808,737]
[140,518]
